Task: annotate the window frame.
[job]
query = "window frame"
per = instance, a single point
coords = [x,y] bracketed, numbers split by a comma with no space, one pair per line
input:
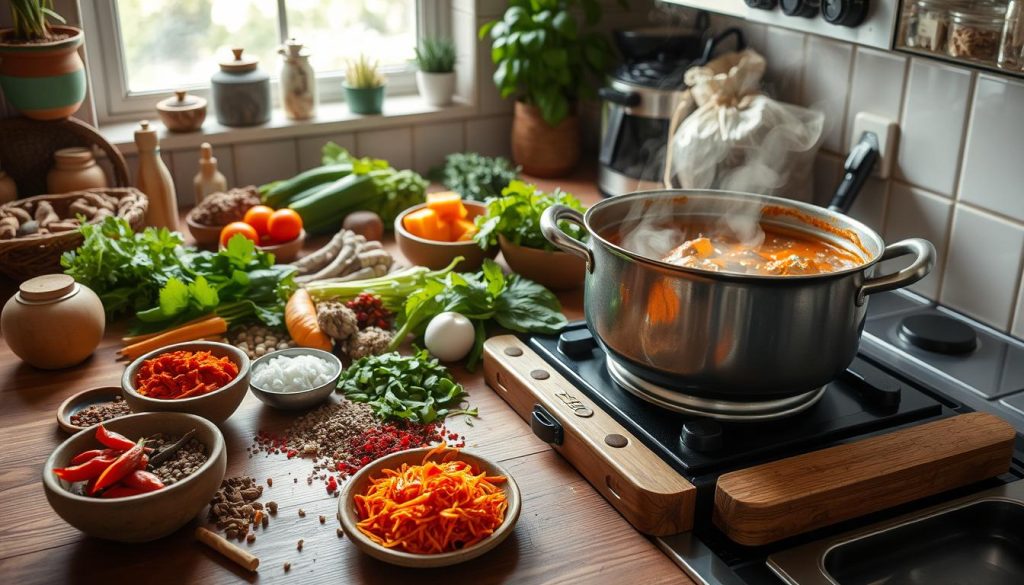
[115,103]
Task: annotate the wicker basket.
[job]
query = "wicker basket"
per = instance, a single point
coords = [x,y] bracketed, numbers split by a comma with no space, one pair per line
[27,256]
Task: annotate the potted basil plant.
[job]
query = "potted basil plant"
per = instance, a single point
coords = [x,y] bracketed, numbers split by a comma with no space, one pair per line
[512,222]
[41,73]
[435,79]
[364,86]
[547,62]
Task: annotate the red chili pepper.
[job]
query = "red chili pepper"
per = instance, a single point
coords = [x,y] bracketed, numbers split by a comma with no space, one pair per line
[87,455]
[142,480]
[112,439]
[125,464]
[89,470]
[120,491]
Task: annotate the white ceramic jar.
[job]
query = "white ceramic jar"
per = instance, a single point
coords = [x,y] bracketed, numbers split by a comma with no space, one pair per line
[298,82]
[53,322]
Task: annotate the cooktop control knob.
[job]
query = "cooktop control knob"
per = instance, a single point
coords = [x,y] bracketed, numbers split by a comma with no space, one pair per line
[804,8]
[703,436]
[577,344]
[938,333]
[763,4]
[849,13]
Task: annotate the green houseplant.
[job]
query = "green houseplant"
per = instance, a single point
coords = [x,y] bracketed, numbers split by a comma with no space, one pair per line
[435,79]
[512,221]
[364,86]
[546,59]
[41,72]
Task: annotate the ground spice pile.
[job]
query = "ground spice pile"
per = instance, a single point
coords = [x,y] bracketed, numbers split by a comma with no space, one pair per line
[234,508]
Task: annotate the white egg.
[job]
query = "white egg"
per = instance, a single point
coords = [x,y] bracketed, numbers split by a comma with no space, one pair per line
[450,336]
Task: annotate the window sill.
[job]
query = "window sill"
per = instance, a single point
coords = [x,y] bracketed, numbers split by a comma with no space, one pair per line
[331,118]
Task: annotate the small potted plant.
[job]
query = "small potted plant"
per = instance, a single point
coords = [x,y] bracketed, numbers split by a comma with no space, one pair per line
[512,222]
[41,72]
[364,86]
[436,76]
[547,62]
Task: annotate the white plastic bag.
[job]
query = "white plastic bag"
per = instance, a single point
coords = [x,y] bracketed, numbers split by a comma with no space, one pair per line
[735,138]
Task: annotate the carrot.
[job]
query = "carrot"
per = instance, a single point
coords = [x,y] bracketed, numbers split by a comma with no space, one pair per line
[431,508]
[133,339]
[188,332]
[300,319]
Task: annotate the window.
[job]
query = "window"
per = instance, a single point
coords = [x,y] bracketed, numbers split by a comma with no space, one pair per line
[148,48]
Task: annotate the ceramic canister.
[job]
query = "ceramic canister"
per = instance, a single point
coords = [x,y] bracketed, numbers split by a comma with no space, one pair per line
[44,81]
[298,82]
[241,92]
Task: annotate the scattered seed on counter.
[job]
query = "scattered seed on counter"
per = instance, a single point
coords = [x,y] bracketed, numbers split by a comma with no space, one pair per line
[258,340]
[322,519]
[302,513]
[270,482]
[340,532]
[97,413]
[184,462]
[299,545]
[272,506]
[250,538]
[287,567]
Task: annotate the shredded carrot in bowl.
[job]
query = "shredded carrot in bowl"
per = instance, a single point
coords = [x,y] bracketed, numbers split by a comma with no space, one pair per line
[432,508]
[184,374]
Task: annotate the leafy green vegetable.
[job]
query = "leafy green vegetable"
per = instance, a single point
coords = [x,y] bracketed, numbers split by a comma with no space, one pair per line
[475,176]
[516,215]
[513,302]
[393,289]
[415,388]
[398,190]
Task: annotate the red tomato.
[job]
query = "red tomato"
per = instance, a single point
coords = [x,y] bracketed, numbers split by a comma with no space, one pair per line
[284,226]
[238,227]
[257,217]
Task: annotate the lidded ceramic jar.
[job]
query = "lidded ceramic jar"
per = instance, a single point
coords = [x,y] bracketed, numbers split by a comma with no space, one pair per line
[241,92]
[53,322]
[183,112]
[74,169]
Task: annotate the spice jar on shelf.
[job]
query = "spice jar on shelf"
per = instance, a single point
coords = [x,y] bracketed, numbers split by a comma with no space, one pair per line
[928,24]
[975,32]
[1011,49]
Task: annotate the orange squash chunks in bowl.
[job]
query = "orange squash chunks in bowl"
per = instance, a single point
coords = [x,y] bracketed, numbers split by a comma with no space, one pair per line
[447,204]
[444,219]
[427,224]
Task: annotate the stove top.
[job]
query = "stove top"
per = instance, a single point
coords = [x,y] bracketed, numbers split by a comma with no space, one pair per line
[893,383]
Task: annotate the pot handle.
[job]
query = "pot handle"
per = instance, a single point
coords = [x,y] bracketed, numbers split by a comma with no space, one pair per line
[549,227]
[924,260]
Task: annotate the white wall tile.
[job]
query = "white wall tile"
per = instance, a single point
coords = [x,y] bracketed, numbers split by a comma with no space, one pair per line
[869,206]
[186,165]
[993,172]
[785,54]
[257,163]
[490,136]
[311,148]
[983,267]
[876,88]
[916,213]
[1018,321]
[393,145]
[933,125]
[432,142]
[826,84]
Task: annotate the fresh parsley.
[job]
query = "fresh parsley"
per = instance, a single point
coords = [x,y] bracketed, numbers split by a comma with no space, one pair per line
[516,215]
[415,388]
[475,176]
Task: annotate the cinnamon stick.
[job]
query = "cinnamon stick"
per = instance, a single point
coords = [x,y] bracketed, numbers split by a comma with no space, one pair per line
[218,543]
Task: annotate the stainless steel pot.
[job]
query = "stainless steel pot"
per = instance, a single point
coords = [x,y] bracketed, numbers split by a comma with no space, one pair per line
[699,341]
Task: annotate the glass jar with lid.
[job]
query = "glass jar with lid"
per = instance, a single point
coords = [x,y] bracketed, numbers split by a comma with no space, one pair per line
[1011,50]
[975,31]
[928,23]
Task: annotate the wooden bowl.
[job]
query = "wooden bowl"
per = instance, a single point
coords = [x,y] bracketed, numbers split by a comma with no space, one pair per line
[206,236]
[288,251]
[215,406]
[437,255]
[555,270]
[83,399]
[357,484]
[144,517]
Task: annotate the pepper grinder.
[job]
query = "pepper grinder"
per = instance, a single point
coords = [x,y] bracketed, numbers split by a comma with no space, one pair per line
[208,179]
[154,180]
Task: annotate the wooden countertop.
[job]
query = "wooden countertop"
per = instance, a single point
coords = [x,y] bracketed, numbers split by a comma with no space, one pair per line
[566,534]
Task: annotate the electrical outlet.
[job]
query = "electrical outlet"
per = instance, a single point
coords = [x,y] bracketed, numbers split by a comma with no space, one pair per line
[887,132]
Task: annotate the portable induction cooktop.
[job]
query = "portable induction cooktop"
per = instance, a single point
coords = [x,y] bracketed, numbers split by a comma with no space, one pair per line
[906,405]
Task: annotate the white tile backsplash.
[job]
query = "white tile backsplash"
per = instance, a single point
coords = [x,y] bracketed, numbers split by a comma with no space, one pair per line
[393,145]
[984,266]
[933,120]
[993,172]
[261,162]
[785,64]
[311,148]
[916,213]
[869,206]
[826,83]
[432,142]
[876,87]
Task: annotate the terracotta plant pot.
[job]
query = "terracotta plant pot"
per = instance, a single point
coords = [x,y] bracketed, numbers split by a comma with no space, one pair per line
[44,81]
[555,270]
[542,150]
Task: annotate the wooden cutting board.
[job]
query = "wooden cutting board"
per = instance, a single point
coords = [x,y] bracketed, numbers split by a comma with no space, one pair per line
[776,500]
[651,495]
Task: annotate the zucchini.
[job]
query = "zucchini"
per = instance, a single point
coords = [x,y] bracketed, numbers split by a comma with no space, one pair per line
[324,209]
[283,192]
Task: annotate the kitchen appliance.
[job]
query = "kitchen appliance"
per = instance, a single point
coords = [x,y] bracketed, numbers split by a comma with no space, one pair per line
[638,102]
[918,365]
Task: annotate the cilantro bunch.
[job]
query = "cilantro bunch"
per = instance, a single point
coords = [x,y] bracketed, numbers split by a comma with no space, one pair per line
[516,215]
